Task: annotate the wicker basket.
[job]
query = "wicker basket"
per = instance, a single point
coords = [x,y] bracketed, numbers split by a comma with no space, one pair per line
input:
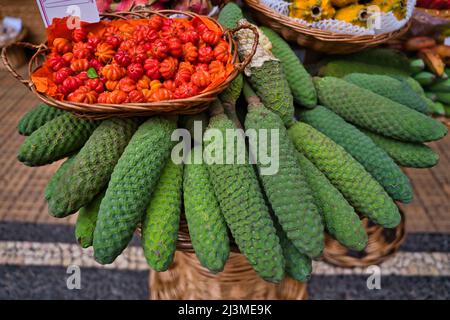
[187,279]
[192,105]
[382,244]
[316,39]
[442,14]
[16,56]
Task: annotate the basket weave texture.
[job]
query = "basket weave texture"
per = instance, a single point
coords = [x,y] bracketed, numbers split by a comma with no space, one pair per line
[191,105]
[186,279]
[316,39]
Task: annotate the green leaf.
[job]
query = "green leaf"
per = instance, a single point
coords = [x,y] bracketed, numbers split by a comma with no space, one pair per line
[92,74]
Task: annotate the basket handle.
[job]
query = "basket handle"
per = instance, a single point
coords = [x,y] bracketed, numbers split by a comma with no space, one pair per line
[241,66]
[39,49]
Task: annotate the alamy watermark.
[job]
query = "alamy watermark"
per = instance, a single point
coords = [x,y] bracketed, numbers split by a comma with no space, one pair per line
[373,282]
[74,279]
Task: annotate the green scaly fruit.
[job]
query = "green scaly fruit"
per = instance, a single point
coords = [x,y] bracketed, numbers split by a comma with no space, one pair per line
[430,104]
[230,96]
[93,166]
[339,217]
[299,79]
[86,221]
[447,111]
[362,191]
[189,122]
[443,97]
[390,88]
[298,265]
[230,15]
[376,113]
[382,57]
[132,182]
[406,154]
[50,187]
[55,140]
[358,145]
[207,227]
[413,84]
[431,95]
[440,86]
[265,73]
[271,86]
[437,108]
[424,78]
[416,65]
[36,118]
[340,68]
[286,189]
[162,219]
[242,203]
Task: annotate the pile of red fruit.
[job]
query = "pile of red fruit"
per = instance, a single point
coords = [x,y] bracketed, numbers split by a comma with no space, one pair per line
[141,61]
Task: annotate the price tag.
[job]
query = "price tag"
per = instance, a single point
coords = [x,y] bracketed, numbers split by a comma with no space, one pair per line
[79,10]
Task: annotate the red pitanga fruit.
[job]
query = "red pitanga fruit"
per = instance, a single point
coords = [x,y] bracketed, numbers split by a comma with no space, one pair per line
[96,85]
[168,67]
[135,71]
[127,84]
[57,63]
[186,90]
[69,85]
[136,96]
[175,47]
[123,58]
[205,55]
[211,37]
[189,36]
[62,74]
[159,49]
[151,67]
[79,34]
[83,94]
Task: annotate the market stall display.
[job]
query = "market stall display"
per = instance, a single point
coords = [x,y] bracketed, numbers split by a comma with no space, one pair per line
[342,137]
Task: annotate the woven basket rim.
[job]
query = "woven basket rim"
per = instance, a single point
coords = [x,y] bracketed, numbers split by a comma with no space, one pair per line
[323,35]
[191,105]
[444,14]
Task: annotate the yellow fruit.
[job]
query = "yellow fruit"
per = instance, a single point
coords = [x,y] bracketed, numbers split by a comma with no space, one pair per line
[342,3]
[398,7]
[354,14]
[312,10]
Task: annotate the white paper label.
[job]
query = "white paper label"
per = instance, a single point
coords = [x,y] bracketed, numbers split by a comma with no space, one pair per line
[84,10]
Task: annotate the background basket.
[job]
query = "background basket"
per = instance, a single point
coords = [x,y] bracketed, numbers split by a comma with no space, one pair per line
[16,56]
[316,39]
[382,244]
[191,105]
